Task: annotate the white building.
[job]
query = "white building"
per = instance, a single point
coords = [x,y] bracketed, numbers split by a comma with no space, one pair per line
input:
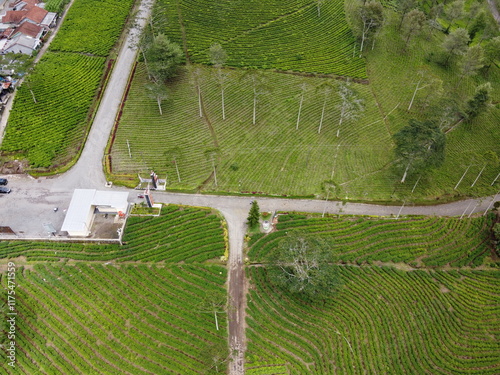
[85,203]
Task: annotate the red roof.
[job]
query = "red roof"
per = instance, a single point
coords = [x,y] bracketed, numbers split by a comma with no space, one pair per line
[7,33]
[36,14]
[14,16]
[29,29]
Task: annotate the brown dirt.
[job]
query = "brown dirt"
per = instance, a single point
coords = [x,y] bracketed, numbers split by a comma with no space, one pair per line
[14,167]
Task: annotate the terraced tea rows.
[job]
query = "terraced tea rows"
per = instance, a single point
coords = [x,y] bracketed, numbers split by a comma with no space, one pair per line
[381,321]
[63,86]
[191,235]
[85,319]
[55,5]
[92,26]
[51,112]
[419,241]
[268,34]
[290,161]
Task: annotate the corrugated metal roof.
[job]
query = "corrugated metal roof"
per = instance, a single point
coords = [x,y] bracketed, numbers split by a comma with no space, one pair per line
[82,202]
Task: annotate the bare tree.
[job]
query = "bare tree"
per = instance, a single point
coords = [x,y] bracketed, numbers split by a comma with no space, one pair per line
[325,89]
[218,58]
[196,80]
[303,89]
[350,105]
[174,155]
[259,87]
[157,91]
[212,155]
[366,20]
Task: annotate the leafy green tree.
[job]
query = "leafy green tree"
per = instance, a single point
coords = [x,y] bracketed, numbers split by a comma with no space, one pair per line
[472,60]
[492,51]
[157,91]
[404,7]
[478,25]
[456,43]
[413,25]
[254,215]
[496,234]
[454,12]
[479,101]
[419,145]
[162,58]
[302,265]
[366,20]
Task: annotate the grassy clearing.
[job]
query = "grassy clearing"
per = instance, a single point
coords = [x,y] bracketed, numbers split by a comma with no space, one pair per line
[382,321]
[86,319]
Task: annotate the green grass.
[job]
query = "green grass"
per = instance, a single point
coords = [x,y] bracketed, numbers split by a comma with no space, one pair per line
[382,321]
[55,5]
[268,34]
[89,319]
[191,235]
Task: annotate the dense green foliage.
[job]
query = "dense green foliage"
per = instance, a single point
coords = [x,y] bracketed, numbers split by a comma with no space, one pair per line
[64,86]
[419,241]
[135,319]
[55,5]
[383,321]
[269,34]
[179,234]
[302,265]
[92,26]
[253,215]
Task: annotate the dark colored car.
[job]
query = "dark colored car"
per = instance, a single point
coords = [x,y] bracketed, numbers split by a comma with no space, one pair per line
[4,190]
[3,181]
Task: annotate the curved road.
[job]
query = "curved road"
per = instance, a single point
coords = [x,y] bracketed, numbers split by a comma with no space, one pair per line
[32,201]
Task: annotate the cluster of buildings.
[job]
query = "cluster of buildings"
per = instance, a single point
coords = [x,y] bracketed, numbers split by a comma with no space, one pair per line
[23,23]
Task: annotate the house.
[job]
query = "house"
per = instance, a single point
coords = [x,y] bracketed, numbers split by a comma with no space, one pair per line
[23,25]
[86,203]
[22,44]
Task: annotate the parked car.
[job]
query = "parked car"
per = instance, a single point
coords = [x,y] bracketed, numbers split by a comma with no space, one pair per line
[4,190]
[3,181]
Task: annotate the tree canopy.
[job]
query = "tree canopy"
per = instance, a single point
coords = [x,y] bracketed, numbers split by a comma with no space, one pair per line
[302,265]
[162,58]
[419,145]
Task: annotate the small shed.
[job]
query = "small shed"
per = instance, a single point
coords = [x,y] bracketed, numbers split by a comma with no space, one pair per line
[85,203]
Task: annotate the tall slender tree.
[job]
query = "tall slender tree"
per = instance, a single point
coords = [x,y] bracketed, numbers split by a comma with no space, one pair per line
[218,58]
[324,89]
[351,105]
[157,91]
